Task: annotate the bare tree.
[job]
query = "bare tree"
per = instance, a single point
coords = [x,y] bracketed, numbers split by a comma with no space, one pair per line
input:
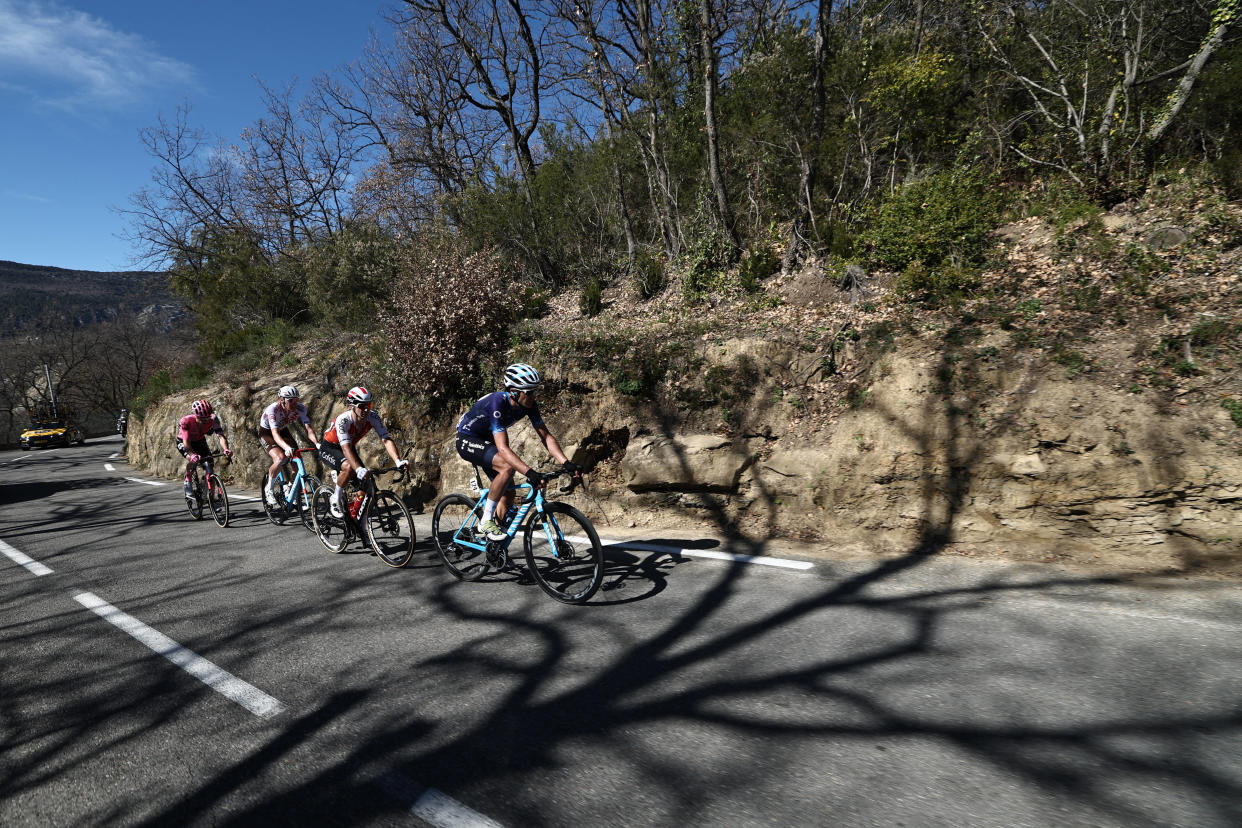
[713,22]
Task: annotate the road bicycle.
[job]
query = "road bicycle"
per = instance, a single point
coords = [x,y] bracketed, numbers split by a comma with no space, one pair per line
[207,487]
[562,549]
[375,515]
[296,493]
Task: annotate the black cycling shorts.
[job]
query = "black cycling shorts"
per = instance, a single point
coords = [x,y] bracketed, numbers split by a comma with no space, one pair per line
[332,455]
[198,447]
[474,450]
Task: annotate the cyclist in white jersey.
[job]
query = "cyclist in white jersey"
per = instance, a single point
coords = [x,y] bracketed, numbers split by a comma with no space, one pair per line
[276,438]
[337,449]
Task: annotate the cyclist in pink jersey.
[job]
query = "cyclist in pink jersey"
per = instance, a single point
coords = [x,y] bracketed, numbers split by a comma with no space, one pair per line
[192,433]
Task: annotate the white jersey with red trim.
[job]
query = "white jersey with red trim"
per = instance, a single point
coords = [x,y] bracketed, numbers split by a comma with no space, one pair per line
[346,430]
[275,416]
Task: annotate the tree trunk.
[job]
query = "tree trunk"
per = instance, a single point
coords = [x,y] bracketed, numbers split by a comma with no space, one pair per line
[707,44]
[810,166]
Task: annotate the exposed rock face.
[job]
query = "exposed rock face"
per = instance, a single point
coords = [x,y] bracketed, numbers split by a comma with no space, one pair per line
[1032,465]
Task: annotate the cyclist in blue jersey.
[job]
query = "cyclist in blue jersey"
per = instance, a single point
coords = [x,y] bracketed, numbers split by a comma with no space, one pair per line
[483,439]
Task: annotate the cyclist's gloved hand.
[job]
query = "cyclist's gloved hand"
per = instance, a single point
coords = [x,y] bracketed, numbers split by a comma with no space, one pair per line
[228,452]
[535,478]
[362,473]
[288,452]
[572,467]
[401,464]
[193,458]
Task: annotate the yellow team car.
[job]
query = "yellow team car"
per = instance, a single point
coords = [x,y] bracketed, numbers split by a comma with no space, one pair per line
[52,433]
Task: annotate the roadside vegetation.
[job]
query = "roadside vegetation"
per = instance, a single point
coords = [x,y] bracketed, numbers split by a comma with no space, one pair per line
[682,169]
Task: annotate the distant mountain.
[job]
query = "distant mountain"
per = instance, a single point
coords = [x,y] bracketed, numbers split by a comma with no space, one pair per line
[33,294]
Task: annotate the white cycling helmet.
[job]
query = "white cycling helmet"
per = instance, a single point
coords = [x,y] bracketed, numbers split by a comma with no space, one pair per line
[521,377]
[289,392]
[358,394]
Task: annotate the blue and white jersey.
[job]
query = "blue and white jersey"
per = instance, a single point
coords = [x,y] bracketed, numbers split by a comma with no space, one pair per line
[494,413]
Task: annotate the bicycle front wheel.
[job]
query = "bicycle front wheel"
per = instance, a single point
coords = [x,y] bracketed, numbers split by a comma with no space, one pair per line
[306,501]
[390,529]
[333,531]
[453,522]
[563,553]
[194,502]
[218,499]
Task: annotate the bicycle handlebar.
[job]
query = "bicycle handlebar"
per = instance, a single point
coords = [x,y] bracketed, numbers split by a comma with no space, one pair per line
[575,480]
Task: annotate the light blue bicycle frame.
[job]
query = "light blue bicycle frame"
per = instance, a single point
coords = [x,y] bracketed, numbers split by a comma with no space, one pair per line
[519,518]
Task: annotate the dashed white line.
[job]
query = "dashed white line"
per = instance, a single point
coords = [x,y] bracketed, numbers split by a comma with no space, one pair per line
[25,560]
[146,482]
[114,455]
[222,681]
[109,467]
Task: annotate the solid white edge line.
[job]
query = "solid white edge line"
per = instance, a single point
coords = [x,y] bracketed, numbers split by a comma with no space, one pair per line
[145,482]
[222,681]
[443,811]
[25,560]
[109,467]
[761,560]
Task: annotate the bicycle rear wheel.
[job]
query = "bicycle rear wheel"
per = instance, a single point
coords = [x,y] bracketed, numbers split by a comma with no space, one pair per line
[333,531]
[563,553]
[276,514]
[390,529]
[454,520]
[195,502]
[218,499]
[306,501]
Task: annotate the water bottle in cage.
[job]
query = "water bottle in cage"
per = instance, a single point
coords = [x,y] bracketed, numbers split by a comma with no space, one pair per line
[355,505]
[509,514]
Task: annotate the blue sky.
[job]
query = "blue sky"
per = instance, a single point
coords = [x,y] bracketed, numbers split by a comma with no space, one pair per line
[78,80]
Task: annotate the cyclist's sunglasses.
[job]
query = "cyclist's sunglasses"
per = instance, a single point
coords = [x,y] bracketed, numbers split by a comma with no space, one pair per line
[364,406]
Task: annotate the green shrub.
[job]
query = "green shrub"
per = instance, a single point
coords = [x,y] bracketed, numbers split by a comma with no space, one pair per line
[591,301]
[935,285]
[1234,407]
[649,274]
[944,219]
[758,264]
[708,253]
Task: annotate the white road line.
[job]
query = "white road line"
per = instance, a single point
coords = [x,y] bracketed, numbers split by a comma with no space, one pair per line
[761,560]
[241,497]
[114,455]
[223,682]
[25,560]
[145,482]
[442,810]
[109,467]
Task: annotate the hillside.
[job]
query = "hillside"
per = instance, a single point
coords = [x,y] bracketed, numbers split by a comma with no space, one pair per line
[1083,406]
[37,293]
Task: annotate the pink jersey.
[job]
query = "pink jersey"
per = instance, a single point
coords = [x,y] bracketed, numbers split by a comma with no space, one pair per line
[192,429]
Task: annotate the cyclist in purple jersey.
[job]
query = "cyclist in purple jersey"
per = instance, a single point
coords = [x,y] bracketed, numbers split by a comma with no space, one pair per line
[483,439]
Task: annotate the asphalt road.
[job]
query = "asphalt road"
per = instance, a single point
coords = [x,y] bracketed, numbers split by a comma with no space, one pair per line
[160,671]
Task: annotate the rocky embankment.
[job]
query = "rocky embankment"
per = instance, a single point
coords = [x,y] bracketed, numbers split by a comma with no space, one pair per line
[1039,466]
